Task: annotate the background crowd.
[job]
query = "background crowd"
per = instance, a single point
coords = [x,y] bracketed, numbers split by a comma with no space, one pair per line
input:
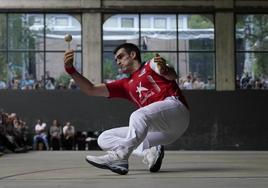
[47,82]
[17,137]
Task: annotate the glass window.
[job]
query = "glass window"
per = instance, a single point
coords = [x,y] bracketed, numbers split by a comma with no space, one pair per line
[25,61]
[57,27]
[112,22]
[197,70]
[252,51]
[196,32]
[61,21]
[110,69]
[186,41]
[55,75]
[3,71]
[112,38]
[145,22]
[160,23]
[173,23]
[127,22]
[25,70]
[24,32]
[3,31]
[158,38]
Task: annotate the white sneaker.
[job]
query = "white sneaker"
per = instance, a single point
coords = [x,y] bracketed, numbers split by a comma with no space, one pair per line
[153,158]
[109,161]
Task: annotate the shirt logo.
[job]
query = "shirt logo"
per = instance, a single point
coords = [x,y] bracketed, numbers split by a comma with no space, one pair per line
[140,89]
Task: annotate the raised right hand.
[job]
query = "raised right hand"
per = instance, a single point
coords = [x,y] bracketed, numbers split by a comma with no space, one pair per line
[69,58]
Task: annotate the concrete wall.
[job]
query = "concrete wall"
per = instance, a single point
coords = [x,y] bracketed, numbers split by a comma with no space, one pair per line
[224,120]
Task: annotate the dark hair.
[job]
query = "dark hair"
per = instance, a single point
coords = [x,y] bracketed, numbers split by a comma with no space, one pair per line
[129,47]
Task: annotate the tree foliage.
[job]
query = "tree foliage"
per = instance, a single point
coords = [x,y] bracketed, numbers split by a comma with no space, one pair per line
[200,22]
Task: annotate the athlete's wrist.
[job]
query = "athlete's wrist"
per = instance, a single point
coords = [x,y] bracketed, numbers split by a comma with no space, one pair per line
[70,69]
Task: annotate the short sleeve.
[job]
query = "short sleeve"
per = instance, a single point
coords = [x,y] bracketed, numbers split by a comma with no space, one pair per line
[117,89]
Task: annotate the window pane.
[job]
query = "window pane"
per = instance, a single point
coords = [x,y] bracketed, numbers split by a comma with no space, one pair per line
[112,37]
[25,70]
[252,32]
[61,21]
[56,77]
[252,70]
[127,22]
[57,26]
[110,69]
[111,22]
[196,32]
[3,71]
[160,23]
[145,22]
[25,31]
[197,70]
[3,32]
[161,36]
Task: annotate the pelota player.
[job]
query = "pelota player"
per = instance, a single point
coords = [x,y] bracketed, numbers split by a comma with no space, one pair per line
[161,118]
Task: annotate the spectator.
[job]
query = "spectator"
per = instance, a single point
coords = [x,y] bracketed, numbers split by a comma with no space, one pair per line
[2,85]
[198,83]
[210,84]
[55,135]
[22,134]
[187,84]
[49,85]
[72,84]
[81,140]
[68,136]
[28,83]
[40,134]
[245,81]
[8,136]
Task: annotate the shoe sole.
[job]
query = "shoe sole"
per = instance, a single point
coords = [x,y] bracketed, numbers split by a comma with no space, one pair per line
[103,166]
[158,163]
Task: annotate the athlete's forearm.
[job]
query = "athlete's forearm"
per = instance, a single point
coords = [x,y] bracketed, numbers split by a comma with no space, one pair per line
[84,84]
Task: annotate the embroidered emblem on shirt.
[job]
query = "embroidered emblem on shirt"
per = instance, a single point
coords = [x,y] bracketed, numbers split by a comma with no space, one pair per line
[140,89]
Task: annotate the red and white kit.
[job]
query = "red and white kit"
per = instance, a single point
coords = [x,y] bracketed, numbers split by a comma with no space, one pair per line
[162,116]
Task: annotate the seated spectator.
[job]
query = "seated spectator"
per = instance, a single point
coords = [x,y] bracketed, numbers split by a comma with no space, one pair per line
[22,134]
[8,135]
[55,135]
[40,134]
[81,140]
[2,130]
[92,137]
[68,136]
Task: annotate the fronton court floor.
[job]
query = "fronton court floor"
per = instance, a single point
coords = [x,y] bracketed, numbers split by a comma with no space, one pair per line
[180,169]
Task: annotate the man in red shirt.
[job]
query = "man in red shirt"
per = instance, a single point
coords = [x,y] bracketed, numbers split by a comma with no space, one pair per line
[161,118]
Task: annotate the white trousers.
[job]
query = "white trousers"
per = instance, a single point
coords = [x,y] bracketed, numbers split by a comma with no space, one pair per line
[159,123]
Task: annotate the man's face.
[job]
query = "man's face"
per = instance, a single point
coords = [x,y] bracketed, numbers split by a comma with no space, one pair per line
[124,60]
